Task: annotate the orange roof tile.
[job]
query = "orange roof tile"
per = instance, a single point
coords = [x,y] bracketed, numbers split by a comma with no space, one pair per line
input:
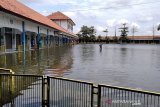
[59,16]
[157,37]
[17,8]
[143,37]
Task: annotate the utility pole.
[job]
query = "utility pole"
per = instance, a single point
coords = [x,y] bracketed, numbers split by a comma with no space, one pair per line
[106,31]
[153,31]
[115,31]
[115,35]
[133,31]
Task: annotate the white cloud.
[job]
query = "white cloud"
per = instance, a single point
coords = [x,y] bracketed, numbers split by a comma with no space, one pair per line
[122,21]
[99,28]
[111,22]
[44,12]
[100,13]
[70,14]
[133,24]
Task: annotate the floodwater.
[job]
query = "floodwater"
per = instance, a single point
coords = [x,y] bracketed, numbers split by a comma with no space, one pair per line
[134,66]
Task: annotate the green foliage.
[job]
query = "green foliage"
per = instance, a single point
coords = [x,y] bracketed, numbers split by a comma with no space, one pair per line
[88,31]
[87,34]
[124,30]
[124,33]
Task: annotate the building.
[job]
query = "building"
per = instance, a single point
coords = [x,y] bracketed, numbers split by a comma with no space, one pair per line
[144,39]
[62,20]
[23,28]
[132,39]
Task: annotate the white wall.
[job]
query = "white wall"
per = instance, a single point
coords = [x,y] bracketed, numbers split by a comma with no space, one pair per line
[51,32]
[11,21]
[65,24]
[30,26]
[7,20]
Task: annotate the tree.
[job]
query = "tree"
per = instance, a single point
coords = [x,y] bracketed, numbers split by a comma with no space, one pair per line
[124,31]
[88,33]
[92,38]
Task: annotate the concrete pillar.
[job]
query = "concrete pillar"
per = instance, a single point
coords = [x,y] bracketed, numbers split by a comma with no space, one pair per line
[47,38]
[38,38]
[4,40]
[14,39]
[29,41]
[67,40]
[23,36]
[58,39]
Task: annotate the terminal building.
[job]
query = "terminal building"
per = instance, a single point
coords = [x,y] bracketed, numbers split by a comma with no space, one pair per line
[23,28]
[62,20]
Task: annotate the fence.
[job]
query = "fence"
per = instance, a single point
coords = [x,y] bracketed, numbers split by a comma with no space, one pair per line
[37,91]
[6,71]
[111,96]
[20,90]
[70,93]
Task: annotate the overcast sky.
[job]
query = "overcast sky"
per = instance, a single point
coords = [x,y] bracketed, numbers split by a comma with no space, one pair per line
[143,14]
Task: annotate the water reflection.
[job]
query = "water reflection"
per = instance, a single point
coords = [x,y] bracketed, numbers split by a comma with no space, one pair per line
[136,66]
[54,61]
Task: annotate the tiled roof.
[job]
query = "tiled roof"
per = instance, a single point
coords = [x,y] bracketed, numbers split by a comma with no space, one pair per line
[143,37]
[59,16]
[17,8]
[157,37]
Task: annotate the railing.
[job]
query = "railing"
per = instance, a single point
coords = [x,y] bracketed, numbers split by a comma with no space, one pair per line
[6,71]
[70,93]
[2,48]
[21,90]
[39,91]
[112,96]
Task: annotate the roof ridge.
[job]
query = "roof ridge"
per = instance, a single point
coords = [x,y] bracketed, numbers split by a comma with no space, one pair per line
[59,16]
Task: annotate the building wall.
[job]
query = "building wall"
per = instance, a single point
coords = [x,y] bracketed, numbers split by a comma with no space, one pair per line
[11,21]
[7,20]
[15,38]
[65,24]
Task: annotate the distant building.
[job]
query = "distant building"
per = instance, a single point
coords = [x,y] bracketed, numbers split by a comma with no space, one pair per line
[62,20]
[144,37]
[133,37]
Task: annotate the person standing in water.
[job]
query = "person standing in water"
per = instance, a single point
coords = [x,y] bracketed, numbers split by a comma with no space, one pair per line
[100,46]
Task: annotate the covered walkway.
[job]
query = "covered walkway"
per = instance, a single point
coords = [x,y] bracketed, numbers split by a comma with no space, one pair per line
[21,30]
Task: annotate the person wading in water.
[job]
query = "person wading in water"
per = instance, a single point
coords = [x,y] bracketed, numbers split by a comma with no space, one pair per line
[100,47]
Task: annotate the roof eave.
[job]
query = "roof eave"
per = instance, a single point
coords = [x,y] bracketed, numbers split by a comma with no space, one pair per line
[21,16]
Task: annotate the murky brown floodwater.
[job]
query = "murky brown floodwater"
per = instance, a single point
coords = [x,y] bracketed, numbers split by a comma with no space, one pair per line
[136,66]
